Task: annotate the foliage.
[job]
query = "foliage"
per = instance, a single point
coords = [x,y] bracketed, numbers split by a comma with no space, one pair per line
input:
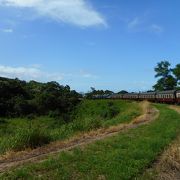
[26,138]
[163,84]
[176,72]
[93,92]
[20,98]
[124,156]
[122,92]
[165,74]
[85,117]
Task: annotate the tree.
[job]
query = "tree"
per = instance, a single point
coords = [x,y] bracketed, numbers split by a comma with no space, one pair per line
[162,69]
[20,98]
[166,81]
[176,72]
[122,92]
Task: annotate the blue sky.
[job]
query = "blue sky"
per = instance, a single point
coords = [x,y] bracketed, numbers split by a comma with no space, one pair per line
[88,43]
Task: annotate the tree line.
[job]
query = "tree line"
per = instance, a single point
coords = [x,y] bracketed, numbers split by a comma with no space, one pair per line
[21,98]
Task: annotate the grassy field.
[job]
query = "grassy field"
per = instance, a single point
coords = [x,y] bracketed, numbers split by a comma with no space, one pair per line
[124,156]
[20,133]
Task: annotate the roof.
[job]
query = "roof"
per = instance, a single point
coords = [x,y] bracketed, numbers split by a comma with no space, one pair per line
[148,93]
[166,92]
[115,95]
[131,94]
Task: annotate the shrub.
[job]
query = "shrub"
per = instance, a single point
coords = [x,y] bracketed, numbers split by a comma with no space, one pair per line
[31,138]
[110,103]
[110,112]
[54,114]
[2,121]
[30,116]
[113,111]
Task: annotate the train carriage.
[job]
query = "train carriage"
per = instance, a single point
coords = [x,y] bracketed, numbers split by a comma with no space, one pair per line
[116,96]
[178,96]
[166,96]
[172,96]
[100,96]
[150,96]
[133,96]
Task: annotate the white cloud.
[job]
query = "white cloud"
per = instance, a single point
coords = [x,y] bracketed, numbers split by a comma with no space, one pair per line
[7,30]
[77,12]
[138,24]
[156,28]
[34,72]
[133,23]
[28,73]
[86,74]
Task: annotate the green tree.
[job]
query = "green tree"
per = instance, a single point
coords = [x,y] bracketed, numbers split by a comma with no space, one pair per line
[20,98]
[166,81]
[176,72]
[162,69]
[122,92]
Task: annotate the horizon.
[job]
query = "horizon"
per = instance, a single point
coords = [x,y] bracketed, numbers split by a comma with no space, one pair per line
[106,45]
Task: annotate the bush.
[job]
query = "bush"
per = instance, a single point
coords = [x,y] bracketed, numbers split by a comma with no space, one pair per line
[110,112]
[30,116]
[54,114]
[87,125]
[31,138]
[113,111]
[2,121]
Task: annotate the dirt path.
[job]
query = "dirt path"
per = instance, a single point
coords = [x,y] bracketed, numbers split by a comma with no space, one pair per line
[176,108]
[19,158]
[167,166]
[169,163]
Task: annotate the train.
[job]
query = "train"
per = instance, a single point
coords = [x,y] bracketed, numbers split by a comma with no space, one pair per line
[171,97]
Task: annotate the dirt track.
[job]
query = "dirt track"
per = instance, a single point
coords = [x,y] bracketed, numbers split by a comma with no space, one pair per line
[167,165]
[19,158]
[176,108]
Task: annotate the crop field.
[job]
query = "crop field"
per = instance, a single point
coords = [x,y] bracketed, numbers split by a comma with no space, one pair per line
[126,155]
[20,133]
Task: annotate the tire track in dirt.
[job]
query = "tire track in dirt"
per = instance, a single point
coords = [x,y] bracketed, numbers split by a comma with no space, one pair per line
[14,159]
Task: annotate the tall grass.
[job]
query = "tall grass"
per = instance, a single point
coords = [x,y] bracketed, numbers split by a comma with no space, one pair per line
[25,138]
[18,134]
[124,156]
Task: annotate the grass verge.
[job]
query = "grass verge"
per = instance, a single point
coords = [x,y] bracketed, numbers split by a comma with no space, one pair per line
[124,156]
[89,115]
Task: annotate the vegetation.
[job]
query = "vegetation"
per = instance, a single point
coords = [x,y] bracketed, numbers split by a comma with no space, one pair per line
[124,156]
[20,98]
[26,138]
[167,165]
[93,92]
[21,133]
[169,78]
[176,72]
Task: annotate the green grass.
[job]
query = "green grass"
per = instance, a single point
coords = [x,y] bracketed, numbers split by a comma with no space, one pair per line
[124,156]
[89,115]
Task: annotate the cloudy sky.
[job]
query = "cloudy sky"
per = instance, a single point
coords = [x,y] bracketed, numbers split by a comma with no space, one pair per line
[88,43]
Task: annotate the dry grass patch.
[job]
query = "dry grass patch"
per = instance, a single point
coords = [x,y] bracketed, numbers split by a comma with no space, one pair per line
[176,108]
[169,165]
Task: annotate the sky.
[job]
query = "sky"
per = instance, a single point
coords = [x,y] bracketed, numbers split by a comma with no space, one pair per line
[109,44]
